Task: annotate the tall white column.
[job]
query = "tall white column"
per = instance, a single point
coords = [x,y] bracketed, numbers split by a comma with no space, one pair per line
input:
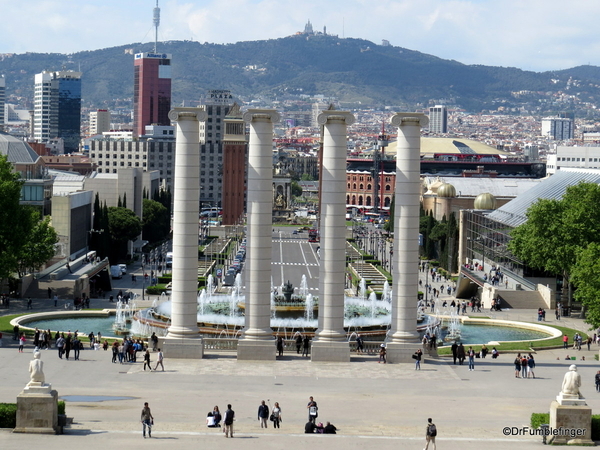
[403,339]
[257,340]
[183,339]
[330,342]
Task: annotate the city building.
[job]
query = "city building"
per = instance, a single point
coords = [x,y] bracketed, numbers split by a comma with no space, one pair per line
[558,128]
[151,90]
[586,157]
[37,184]
[57,108]
[2,101]
[235,154]
[438,119]
[99,121]
[155,150]
[217,104]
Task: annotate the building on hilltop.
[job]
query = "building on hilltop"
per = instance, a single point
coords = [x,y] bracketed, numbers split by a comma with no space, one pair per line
[151,90]
[2,101]
[57,108]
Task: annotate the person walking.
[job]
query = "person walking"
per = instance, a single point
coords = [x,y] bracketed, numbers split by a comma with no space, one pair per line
[565,341]
[359,344]
[147,360]
[279,345]
[60,345]
[305,346]
[597,379]
[430,434]
[76,348]
[154,340]
[298,343]
[313,410]
[460,352]
[382,353]
[160,357]
[263,414]
[21,342]
[418,356]
[228,422]
[454,351]
[147,420]
[471,355]
[276,414]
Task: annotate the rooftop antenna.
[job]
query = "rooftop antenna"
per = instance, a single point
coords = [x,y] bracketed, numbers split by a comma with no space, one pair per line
[156,21]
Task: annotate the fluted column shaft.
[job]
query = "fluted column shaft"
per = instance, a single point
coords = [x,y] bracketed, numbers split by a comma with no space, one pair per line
[184,323]
[333,226]
[260,220]
[406,227]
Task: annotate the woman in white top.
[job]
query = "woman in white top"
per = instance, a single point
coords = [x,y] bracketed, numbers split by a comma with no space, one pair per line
[276,414]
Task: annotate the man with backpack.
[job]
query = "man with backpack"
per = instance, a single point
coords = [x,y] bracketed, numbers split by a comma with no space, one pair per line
[430,435]
[228,422]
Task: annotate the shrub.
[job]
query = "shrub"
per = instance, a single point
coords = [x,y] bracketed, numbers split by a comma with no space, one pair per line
[62,407]
[156,290]
[538,419]
[8,415]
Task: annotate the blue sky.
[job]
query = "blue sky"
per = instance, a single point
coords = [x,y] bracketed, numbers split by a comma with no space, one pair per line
[530,34]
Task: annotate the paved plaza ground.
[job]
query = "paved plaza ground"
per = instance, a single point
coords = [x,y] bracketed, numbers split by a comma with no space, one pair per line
[373,405]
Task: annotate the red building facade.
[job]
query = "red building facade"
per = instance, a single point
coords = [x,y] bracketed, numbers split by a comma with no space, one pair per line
[151,91]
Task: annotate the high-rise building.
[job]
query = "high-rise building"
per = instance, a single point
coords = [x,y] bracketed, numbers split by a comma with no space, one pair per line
[2,101]
[99,121]
[216,104]
[151,90]
[234,166]
[558,128]
[57,108]
[438,119]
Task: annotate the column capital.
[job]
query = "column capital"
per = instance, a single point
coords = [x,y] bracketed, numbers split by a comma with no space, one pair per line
[254,114]
[399,119]
[177,114]
[345,116]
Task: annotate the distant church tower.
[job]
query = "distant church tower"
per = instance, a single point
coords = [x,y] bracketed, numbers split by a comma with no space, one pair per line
[308,29]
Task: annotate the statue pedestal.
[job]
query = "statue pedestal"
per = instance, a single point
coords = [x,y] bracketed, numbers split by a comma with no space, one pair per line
[182,348]
[37,410]
[570,424]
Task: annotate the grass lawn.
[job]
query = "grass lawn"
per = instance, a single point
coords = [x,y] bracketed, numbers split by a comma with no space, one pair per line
[525,345]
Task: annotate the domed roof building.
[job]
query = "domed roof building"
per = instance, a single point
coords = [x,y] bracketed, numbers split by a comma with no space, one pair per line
[485,201]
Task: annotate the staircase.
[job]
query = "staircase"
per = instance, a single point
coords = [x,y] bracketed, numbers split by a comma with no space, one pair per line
[521,299]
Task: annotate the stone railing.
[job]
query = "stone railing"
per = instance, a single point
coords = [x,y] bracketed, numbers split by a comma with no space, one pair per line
[230,344]
[220,344]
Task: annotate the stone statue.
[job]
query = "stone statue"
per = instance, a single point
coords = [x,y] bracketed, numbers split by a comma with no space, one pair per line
[571,383]
[36,370]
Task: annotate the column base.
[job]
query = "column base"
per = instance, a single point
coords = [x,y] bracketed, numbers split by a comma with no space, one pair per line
[324,351]
[401,353]
[255,350]
[182,348]
[571,418]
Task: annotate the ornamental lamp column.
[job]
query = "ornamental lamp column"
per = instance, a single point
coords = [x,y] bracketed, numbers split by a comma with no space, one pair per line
[403,338]
[330,342]
[257,339]
[183,339]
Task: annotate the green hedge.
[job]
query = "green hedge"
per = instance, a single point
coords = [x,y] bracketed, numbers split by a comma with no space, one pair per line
[165,279]
[62,407]
[156,290]
[538,419]
[8,415]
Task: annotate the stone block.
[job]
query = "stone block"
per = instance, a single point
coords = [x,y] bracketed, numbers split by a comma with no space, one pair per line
[249,350]
[324,351]
[402,353]
[37,412]
[570,424]
[177,348]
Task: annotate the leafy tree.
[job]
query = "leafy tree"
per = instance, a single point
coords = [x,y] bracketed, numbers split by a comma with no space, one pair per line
[38,247]
[306,177]
[123,226]
[296,189]
[156,221]
[124,199]
[584,275]
[557,231]
[11,223]
[389,225]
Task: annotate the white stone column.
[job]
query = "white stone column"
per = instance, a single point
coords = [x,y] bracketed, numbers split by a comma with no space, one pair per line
[257,342]
[403,339]
[183,339]
[330,342]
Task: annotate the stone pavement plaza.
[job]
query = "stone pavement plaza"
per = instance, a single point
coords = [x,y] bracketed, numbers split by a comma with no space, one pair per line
[373,405]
